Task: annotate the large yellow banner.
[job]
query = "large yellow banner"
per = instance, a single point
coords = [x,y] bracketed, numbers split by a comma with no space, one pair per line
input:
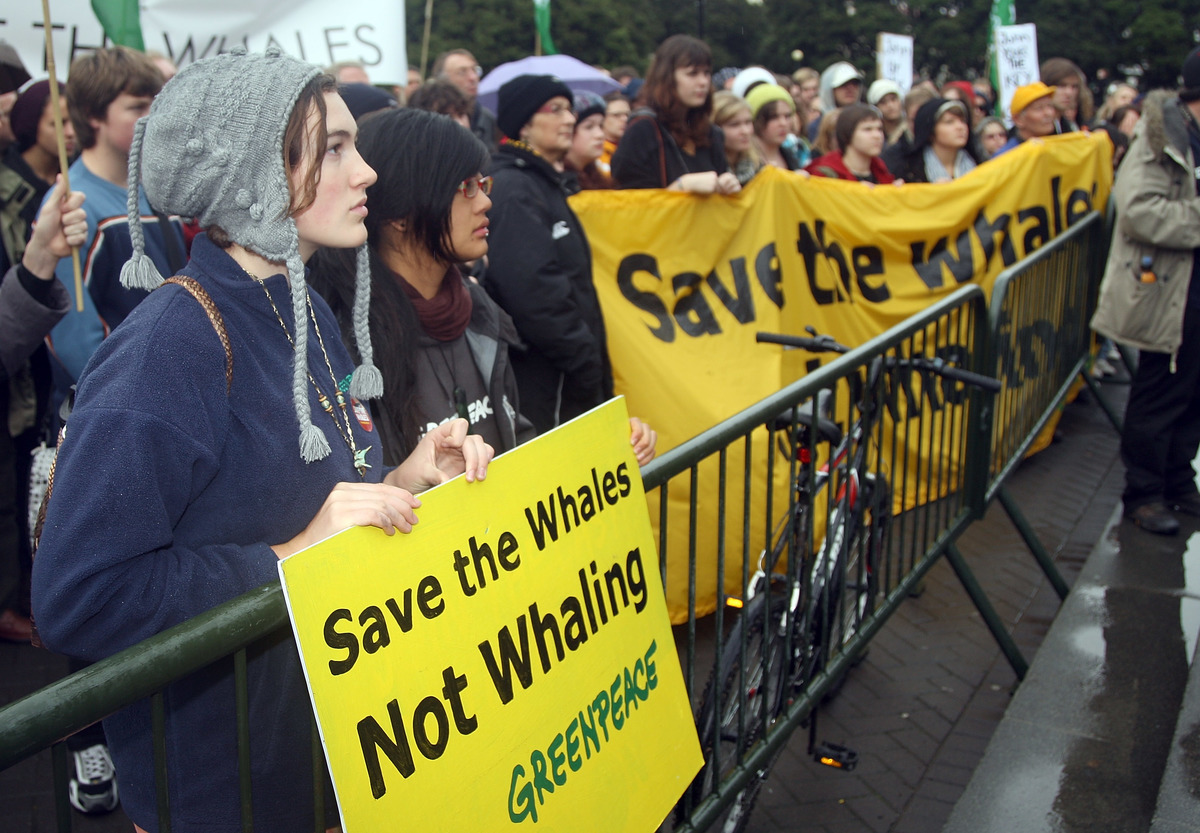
[685,282]
[510,661]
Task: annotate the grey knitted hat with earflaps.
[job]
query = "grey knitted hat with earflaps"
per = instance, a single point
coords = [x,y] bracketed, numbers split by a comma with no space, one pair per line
[212,148]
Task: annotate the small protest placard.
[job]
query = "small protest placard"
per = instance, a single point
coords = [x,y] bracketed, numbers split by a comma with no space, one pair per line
[1016,60]
[895,59]
[510,662]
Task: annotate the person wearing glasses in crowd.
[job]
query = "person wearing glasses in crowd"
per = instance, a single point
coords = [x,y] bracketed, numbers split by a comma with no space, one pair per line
[459,67]
[616,119]
[448,341]
[677,146]
[540,264]
[1033,113]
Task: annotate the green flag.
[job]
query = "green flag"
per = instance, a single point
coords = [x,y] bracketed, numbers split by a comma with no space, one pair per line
[1004,13]
[541,19]
[120,21]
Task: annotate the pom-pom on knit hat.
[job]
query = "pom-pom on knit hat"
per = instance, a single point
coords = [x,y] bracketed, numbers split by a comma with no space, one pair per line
[212,148]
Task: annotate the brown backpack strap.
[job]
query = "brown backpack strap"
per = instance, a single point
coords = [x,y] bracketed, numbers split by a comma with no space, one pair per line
[214,315]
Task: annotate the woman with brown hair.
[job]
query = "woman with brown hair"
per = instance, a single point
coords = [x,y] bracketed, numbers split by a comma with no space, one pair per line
[732,114]
[676,146]
[860,139]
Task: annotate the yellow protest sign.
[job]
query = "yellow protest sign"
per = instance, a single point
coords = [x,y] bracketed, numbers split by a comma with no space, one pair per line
[685,282]
[509,662]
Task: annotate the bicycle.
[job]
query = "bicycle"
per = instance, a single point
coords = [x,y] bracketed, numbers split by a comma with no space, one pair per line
[791,622]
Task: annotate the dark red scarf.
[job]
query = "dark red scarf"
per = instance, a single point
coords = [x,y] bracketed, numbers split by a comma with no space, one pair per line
[445,316]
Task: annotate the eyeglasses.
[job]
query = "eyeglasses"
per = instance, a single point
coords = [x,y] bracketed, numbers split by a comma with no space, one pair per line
[473,185]
[554,108]
[462,72]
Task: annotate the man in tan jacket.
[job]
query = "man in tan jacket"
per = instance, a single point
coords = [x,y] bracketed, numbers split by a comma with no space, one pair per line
[1150,301]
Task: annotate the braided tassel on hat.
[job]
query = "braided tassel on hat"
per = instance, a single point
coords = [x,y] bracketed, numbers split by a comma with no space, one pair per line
[139,272]
[367,382]
[313,443]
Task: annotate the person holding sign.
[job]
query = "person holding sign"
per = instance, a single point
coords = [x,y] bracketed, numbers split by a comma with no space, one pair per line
[732,114]
[1033,113]
[449,341]
[942,149]
[860,139]
[773,111]
[676,147]
[219,429]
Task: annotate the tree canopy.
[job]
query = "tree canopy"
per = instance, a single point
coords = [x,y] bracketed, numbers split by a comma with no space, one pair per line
[1140,38]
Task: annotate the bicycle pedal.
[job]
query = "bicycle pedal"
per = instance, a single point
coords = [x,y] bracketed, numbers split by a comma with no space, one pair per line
[836,756]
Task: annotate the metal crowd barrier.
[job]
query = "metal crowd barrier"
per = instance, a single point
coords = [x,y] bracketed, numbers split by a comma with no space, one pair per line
[938,448]
[924,446]
[1040,347]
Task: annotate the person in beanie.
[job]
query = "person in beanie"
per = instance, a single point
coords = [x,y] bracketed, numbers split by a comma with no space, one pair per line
[539,261]
[1033,113]
[773,111]
[588,144]
[1150,299]
[942,149]
[676,146]
[860,139]
[221,428]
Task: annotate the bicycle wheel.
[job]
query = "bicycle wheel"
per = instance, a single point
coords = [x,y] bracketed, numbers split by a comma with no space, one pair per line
[742,697]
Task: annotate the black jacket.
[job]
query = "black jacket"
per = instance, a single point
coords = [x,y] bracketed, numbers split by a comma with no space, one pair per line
[648,157]
[540,273]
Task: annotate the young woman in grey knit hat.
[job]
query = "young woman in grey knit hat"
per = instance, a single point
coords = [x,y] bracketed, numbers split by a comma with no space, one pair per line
[222,427]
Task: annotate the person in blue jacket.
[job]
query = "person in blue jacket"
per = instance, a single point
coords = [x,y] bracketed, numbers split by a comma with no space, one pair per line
[190,466]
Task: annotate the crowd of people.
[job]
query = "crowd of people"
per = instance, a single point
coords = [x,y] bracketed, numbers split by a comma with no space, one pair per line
[374,290]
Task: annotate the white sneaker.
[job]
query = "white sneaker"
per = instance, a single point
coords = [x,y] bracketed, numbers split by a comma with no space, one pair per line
[93,785]
[1102,367]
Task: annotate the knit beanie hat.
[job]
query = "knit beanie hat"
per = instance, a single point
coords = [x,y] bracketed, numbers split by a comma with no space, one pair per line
[27,113]
[1191,70]
[927,117]
[212,148]
[758,97]
[521,97]
[588,104]
[362,99]
[1026,95]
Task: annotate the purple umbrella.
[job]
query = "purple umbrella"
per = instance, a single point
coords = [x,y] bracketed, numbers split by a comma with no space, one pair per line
[571,71]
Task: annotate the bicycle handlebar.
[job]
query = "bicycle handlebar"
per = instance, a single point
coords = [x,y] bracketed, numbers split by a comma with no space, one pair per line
[826,344]
[817,344]
[941,368]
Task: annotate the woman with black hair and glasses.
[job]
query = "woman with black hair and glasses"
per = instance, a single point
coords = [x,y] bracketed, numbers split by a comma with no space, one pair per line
[441,342]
